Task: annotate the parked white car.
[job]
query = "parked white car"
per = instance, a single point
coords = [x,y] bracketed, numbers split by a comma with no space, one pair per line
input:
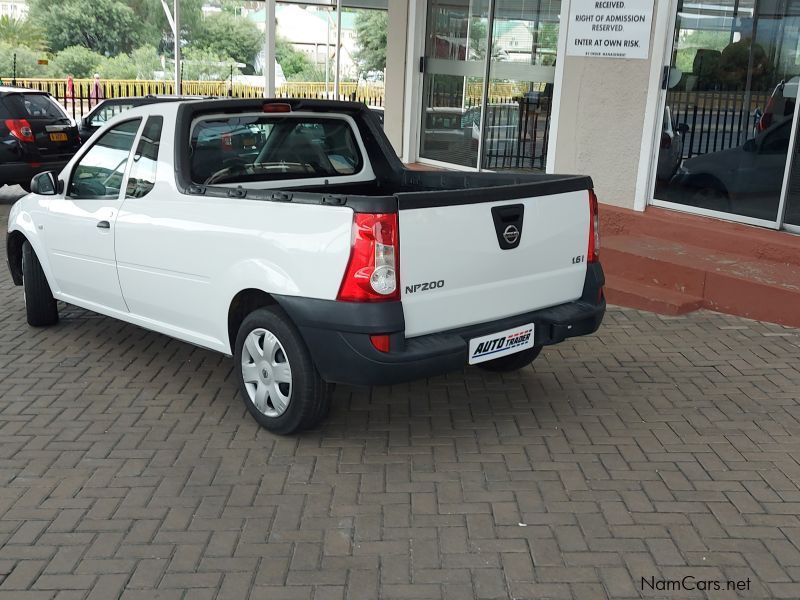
[288,234]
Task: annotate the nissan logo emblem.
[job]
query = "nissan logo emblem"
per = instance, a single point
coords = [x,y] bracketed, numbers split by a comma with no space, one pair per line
[511,234]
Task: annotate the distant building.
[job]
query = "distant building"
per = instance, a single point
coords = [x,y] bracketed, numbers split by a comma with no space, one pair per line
[312,30]
[16,9]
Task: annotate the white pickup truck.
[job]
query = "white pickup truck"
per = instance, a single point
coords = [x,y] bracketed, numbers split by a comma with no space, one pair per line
[287,233]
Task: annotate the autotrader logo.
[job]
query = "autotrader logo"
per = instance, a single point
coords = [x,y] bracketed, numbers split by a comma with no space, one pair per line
[502,343]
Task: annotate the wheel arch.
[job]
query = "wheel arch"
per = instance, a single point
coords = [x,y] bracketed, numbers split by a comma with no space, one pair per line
[14,243]
[242,304]
[708,180]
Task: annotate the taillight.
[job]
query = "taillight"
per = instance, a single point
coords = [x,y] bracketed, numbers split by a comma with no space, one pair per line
[372,271]
[20,129]
[594,229]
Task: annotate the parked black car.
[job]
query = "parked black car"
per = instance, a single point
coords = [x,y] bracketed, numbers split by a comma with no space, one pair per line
[110,108]
[36,135]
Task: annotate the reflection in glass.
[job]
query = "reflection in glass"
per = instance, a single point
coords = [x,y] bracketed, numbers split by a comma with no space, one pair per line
[455,51]
[728,118]
[524,46]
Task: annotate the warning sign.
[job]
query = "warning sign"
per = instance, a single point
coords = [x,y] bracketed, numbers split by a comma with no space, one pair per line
[610,28]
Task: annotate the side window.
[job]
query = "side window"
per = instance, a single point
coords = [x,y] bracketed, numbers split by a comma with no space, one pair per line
[145,159]
[108,112]
[99,172]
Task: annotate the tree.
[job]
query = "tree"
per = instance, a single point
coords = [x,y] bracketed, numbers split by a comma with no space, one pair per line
[228,35]
[204,64]
[27,65]
[18,32]
[291,60]
[118,67]
[109,27]
[371,31]
[154,26]
[77,61]
[147,62]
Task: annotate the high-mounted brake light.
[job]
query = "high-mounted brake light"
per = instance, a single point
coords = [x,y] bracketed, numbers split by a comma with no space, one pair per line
[372,273]
[594,229]
[21,129]
[276,107]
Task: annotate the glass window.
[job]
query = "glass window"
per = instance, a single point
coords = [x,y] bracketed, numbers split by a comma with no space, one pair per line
[732,93]
[99,172]
[249,148]
[108,112]
[143,171]
[34,106]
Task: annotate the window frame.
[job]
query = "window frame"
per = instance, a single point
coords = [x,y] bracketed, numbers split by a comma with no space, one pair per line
[111,105]
[365,174]
[95,141]
[132,158]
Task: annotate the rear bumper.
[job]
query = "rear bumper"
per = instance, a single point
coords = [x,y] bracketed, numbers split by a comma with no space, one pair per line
[337,335]
[13,173]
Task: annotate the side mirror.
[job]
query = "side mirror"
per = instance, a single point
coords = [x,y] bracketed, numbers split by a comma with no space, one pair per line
[85,122]
[683,128]
[45,184]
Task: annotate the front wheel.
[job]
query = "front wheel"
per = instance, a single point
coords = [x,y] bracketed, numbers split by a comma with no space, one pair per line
[512,362]
[277,378]
[40,306]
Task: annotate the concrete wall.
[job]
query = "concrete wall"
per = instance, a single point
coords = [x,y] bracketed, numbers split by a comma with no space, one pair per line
[601,122]
[395,72]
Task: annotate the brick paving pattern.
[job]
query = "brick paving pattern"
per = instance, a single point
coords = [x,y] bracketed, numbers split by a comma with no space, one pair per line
[663,447]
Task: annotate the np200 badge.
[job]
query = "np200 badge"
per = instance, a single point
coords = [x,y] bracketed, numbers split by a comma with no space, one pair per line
[424,287]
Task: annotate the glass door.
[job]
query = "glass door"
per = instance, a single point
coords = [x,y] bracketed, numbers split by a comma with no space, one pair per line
[455,65]
[520,92]
[730,103]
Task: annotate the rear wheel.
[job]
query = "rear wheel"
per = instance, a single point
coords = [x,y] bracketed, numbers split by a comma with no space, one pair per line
[512,362]
[40,306]
[277,378]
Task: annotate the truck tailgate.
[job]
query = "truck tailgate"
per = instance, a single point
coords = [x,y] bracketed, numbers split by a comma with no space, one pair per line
[462,264]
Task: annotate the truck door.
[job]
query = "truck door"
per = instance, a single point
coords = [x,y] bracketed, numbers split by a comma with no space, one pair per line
[80,225]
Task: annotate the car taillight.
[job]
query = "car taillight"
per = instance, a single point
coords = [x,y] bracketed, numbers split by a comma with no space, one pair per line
[594,229]
[372,273]
[666,141]
[20,129]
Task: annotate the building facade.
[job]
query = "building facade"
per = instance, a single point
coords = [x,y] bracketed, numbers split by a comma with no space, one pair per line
[672,103]
[15,9]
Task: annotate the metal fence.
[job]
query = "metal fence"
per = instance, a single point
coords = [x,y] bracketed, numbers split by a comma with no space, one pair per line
[81,95]
[717,120]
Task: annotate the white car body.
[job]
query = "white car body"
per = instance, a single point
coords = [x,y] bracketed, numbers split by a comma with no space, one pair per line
[174,260]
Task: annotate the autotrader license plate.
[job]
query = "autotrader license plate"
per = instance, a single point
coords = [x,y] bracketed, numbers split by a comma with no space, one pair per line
[500,344]
[58,137]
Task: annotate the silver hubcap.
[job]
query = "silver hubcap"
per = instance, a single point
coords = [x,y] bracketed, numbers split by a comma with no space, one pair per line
[266,372]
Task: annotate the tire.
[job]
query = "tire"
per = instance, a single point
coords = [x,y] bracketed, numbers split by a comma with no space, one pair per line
[512,362]
[40,306]
[711,197]
[277,378]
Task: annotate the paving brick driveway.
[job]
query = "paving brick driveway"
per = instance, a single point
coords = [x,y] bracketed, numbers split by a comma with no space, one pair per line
[659,449]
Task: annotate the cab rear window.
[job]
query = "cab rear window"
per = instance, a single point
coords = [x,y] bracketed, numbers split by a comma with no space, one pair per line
[253,148]
[33,106]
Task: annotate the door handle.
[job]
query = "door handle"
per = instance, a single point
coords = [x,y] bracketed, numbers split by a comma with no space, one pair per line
[104,225]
